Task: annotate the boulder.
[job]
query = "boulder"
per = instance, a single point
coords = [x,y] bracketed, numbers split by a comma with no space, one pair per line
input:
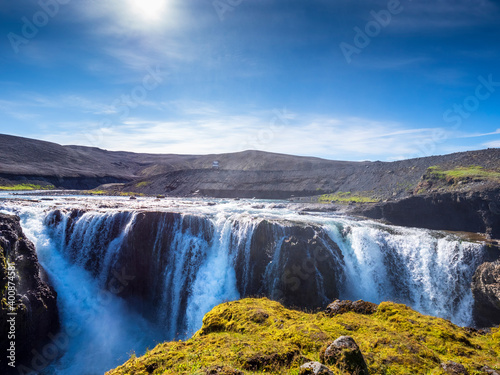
[345,354]
[486,292]
[454,368]
[314,368]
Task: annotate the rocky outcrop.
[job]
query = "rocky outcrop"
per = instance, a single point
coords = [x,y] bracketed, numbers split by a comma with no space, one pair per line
[486,292]
[477,212]
[344,354]
[28,311]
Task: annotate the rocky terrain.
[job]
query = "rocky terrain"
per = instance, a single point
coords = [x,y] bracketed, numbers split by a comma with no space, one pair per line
[241,174]
[257,336]
[26,297]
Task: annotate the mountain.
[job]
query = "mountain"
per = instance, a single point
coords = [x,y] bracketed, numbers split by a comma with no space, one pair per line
[241,174]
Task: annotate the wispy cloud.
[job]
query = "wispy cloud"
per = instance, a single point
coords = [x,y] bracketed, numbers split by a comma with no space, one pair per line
[334,138]
[492,144]
[477,135]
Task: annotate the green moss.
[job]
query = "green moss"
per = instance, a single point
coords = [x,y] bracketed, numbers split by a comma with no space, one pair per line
[257,336]
[130,193]
[143,184]
[473,172]
[347,197]
[113,193]
[26,187]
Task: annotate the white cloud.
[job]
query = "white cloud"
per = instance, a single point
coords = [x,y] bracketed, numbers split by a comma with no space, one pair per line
[208,131]
[477,135]
[492,144]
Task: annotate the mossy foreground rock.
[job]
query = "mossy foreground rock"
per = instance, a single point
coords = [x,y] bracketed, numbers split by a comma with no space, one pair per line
[259,336]
[344,354]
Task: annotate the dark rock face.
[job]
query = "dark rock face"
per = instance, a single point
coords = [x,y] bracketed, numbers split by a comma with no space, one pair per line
[469,212]
[33,300]
[359,307]
[454,368]
[486,292]
[298,265]
[344,354]
[314,368]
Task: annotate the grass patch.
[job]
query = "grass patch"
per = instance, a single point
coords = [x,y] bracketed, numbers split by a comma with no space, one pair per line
[347,197]
[19,187]
[473,172]
[113,193]
[257,336]
[143,184]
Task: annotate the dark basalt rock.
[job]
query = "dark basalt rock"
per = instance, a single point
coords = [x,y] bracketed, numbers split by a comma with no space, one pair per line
[475,212]
[297,265]
[359,307]
[35,300]
[486,292]
[344,354]
[454,368]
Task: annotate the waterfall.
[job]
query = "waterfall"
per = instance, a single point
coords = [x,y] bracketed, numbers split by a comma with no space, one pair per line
[99,330]
[428,271]
[129,279]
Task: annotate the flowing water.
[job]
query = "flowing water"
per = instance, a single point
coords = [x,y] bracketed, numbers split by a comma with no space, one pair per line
[200,255]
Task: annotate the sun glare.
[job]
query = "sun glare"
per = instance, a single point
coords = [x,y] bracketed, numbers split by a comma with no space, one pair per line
[148,10]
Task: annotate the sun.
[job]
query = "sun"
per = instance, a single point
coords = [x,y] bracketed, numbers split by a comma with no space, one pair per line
[148,10]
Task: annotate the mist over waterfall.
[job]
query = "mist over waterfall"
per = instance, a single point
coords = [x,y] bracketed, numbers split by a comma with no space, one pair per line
[128,279]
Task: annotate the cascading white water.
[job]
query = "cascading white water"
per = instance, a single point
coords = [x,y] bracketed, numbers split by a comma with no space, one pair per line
[412,266]
[196,258]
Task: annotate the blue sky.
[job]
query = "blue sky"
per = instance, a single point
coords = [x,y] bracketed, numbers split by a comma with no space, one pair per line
[339,79]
